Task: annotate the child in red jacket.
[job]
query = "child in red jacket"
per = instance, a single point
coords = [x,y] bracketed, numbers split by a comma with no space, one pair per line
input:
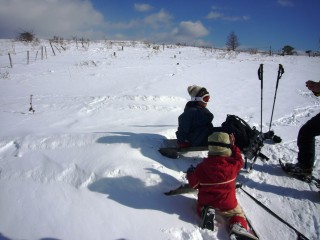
[215,180]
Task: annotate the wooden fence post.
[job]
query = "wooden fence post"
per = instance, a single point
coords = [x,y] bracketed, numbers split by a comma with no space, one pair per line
[28,56]
[41,52]
[270,52]
[57,48]
[52,48]
[10,60]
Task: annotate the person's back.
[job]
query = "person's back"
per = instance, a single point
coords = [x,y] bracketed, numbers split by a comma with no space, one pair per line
[215,180]
[215,177]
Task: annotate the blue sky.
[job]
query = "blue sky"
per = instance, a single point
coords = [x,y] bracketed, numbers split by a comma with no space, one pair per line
[257,23]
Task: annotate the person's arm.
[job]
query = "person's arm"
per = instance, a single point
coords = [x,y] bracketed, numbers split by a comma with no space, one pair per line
[236,153]
[192,177]
[183,130]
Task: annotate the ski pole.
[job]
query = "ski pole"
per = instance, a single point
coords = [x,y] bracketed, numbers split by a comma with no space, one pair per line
[260,76]
[300,235]
[254,160]
[280,72]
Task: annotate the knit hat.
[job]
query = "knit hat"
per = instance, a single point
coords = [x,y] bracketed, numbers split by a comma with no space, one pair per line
[219,144]
[197,91]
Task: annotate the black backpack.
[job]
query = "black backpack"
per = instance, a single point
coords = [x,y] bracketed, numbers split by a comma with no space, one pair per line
[243,133]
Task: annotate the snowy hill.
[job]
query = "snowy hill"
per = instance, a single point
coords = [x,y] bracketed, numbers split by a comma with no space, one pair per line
[85,165]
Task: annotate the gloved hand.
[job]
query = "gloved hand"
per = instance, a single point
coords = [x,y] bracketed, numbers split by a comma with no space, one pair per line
[183,144]
[191,169]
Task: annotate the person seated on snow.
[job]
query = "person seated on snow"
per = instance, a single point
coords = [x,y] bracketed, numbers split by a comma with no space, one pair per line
[306,139]
[215,179]
[194,124]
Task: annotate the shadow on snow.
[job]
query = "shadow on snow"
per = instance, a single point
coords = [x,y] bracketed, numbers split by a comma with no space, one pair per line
[133,192]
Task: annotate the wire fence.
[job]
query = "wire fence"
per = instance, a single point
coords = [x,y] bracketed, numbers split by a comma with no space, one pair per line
[12,55]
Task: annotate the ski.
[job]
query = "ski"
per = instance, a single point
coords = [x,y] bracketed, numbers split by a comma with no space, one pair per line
[236,236]
[251,229]
[174,152]
[185,188]
[171,150]
[182,189]
[308,179]
[250,234]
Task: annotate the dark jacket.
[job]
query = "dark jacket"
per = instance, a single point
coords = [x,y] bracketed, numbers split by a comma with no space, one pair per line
[215,179]
[195,125]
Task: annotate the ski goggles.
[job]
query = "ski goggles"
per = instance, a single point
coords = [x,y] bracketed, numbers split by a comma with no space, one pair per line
[205,98]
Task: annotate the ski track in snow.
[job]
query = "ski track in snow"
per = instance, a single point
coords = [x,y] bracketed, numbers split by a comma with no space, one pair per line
[299,115]
[90,105]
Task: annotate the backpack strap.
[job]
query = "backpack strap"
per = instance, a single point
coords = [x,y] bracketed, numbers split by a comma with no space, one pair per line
[241,120]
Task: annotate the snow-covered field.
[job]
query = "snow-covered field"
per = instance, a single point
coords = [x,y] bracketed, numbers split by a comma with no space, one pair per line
[85,165]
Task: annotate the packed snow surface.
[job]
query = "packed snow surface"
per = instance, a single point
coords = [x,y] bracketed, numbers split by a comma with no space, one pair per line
[85,165]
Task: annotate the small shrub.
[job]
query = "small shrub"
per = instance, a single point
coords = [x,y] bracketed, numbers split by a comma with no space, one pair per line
[26,37]
[4,75]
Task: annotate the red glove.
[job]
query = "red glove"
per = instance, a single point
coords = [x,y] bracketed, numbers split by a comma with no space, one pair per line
[183,144]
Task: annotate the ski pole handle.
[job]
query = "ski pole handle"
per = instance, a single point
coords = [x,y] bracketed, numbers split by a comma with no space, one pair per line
[280,71]
[260,72]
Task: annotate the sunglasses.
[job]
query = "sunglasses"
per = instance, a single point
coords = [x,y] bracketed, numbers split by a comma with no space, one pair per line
[204,99]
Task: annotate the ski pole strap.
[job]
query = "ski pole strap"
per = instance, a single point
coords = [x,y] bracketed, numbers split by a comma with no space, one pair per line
[219,183]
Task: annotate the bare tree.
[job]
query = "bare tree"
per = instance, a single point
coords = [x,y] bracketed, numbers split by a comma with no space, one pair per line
[26,36]
[288,50]
[232,41]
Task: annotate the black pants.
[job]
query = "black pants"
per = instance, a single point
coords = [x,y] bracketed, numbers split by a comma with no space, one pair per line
[306,142]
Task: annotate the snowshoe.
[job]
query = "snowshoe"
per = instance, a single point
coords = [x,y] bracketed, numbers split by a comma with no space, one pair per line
[238,232]
[171,150]
[235,236]
[295,169]
[208,215]
[304,175]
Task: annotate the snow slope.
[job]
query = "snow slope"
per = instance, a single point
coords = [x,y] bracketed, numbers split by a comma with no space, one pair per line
[85,165]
